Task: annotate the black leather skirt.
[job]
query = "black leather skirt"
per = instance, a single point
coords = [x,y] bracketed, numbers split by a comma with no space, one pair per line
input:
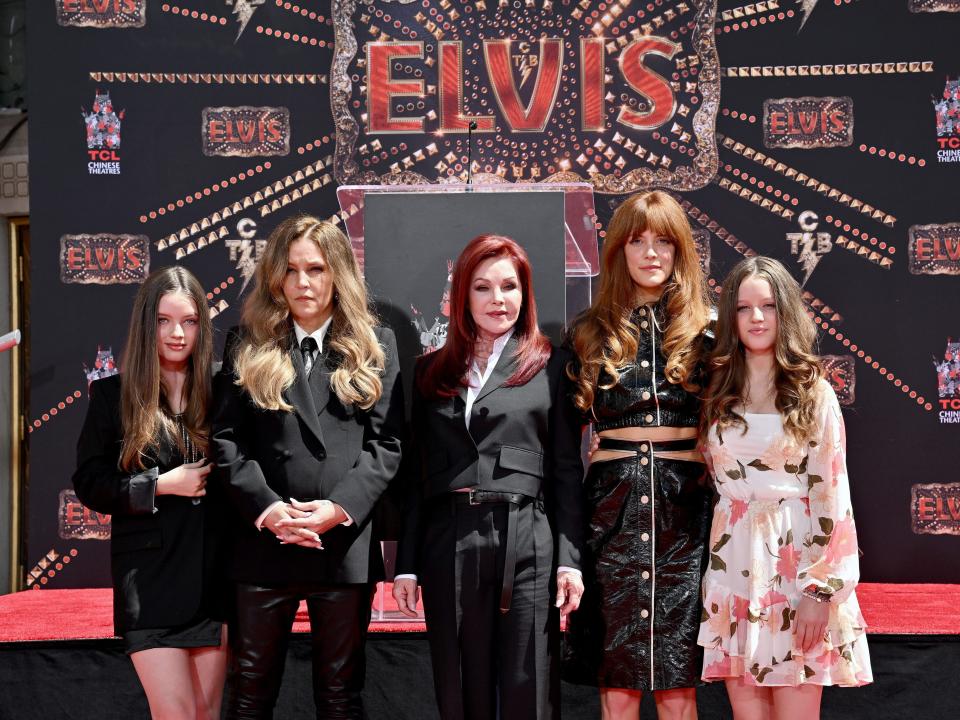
[649,521]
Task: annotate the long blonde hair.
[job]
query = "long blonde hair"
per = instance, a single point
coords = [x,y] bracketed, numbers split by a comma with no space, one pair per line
[604,337]
[797,370]
[263,364]
[143,396]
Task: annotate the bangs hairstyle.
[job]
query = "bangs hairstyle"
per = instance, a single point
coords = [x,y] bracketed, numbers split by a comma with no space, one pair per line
[604,338]
[797,369]
[263,365]
[144,405]
[446,373]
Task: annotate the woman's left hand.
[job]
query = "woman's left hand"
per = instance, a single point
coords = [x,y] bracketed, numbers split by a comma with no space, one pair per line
[569,592]
[812,617]
[316,515]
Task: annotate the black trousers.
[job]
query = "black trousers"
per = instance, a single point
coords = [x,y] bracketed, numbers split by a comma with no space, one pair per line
[339,616]
[486,664]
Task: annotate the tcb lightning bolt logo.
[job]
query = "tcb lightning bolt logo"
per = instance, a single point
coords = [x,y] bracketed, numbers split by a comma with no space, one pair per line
[245,250]
[807,246]
[244,10]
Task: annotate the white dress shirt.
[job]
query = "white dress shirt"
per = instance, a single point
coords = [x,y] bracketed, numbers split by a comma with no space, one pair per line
[476,378]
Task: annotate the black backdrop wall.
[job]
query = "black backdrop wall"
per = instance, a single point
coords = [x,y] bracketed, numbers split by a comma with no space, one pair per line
[821,137]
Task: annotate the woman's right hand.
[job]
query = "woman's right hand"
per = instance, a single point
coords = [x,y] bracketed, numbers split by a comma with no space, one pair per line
[594,446]
[188,480]
[406,594]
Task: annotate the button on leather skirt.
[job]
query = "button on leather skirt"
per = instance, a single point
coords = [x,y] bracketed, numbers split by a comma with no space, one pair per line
[649,521]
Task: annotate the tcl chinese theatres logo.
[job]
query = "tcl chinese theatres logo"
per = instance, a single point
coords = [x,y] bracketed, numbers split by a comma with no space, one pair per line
[103,124]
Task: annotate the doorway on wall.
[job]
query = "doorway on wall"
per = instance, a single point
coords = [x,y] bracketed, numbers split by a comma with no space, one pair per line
[19,359]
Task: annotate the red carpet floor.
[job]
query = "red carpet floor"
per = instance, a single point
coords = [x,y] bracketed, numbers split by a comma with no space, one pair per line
[36,615]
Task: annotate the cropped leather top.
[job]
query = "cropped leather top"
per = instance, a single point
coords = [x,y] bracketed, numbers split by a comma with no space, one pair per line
[644,397]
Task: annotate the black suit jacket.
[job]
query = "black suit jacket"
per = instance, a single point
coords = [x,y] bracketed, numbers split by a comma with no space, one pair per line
[164,562]
[322,450]
[523,439]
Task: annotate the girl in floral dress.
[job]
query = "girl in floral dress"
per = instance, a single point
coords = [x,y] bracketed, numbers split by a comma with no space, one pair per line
[780,617]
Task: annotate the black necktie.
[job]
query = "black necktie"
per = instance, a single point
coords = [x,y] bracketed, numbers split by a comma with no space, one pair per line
[308,346]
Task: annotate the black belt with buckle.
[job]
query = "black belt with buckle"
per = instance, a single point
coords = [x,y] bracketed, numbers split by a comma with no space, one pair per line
[514,500]
[482,497]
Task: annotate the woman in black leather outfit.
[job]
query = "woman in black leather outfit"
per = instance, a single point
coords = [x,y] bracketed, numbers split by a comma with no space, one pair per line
[640,350]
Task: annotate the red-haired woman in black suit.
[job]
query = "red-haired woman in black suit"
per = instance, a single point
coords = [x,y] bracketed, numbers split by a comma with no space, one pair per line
[493,532]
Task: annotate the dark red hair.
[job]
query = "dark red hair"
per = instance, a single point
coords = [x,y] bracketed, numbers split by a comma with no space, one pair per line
[446,372]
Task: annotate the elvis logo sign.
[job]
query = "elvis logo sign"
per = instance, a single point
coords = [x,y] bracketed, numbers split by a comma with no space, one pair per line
[77,522]
[935,508]
[625,100]
[935,249]
[104,259]
[246,131]
[102,13]
[808,122]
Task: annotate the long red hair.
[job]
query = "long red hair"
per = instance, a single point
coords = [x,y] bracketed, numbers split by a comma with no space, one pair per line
[446,372]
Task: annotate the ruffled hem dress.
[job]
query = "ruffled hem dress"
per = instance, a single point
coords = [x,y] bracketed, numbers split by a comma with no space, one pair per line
[782,528]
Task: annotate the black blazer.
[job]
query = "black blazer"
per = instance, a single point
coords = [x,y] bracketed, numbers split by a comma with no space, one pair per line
[163,561]
[523,439]
[322,450]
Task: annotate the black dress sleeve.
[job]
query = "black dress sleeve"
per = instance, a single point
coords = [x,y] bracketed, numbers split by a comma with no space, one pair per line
[99,481]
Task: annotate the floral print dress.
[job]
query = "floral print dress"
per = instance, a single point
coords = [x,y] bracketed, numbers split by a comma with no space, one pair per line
[783,527]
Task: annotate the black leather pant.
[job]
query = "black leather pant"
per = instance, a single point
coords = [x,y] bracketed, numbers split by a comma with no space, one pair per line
[339,616]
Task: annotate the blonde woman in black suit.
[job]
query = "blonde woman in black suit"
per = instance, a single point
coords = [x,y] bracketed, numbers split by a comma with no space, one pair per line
[493,533]
[306,434]
[142,458]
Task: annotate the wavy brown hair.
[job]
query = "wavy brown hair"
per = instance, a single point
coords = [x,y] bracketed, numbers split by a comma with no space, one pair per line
[797,369]
[262,362]
[144,405]
[604,337]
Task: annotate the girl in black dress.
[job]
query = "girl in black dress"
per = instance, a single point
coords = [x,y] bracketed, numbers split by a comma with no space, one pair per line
[142,458]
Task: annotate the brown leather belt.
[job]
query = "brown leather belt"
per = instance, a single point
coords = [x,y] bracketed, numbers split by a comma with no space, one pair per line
[515,501]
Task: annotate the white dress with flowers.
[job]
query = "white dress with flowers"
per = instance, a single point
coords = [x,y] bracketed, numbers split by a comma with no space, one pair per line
[783,525]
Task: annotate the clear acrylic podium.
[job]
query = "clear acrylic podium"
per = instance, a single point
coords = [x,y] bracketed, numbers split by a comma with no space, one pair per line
[582,259]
